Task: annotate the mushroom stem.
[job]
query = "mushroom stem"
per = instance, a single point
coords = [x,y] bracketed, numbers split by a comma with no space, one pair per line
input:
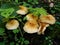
[20,32]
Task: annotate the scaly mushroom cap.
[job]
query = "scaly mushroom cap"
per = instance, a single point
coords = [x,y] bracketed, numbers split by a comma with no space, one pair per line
[31,27]
[47,19]
[13,24]
[23,10]
[31,17]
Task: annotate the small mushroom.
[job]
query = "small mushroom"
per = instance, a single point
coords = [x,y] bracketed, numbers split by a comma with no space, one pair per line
[47,19]
[51,4]
[13,24]
[31,27]
[23,10]
[31,17]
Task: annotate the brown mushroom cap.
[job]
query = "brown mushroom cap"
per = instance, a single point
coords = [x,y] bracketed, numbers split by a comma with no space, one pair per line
[31,17]
[47,19]
[13,24]
[23,10]
[31,27]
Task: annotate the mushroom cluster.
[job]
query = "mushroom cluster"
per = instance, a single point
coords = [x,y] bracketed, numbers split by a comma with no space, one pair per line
[38,25]
[34,23]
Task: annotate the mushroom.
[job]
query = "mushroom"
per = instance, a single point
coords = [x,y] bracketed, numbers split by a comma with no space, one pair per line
[23,10]
[31,17]
[47,19]
[42,28]
[31,27]
[44,22]
[51,4]
[13,24]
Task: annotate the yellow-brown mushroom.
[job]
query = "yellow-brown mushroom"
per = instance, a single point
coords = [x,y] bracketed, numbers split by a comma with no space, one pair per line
[31,27]
[47,19]
[23,10]
[13,24]
[44,22]
[32,17]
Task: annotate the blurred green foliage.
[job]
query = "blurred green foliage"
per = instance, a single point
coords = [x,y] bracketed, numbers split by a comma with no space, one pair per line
[7,12]
[23,41]
[15,31]
[38,11]
[2,43]
[2,30]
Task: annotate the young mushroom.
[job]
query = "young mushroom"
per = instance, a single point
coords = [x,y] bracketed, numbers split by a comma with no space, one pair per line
[31,17]
[31,27]
[13,24]
[23,10]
